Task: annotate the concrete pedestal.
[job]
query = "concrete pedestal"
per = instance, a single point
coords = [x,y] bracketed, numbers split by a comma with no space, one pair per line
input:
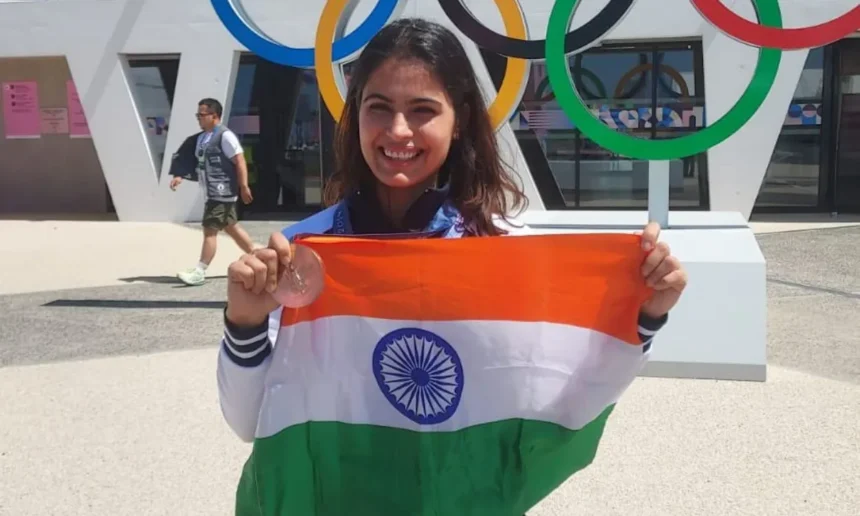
[718,330]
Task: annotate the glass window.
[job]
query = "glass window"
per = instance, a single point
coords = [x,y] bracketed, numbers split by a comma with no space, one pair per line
[153,81]
[846,178]
[646,91]
[275,112]
[49,161]
[811,82]
[792,177]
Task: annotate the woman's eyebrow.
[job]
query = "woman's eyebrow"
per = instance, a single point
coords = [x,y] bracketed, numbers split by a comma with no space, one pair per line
[377,96]
[424,100]
[416,100]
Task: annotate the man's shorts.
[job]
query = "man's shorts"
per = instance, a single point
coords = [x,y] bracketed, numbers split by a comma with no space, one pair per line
[218,215]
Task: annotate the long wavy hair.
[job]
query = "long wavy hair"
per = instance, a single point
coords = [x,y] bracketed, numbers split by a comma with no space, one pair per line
[481,187]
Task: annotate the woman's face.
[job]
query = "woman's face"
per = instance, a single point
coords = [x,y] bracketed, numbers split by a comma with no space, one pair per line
[406,123]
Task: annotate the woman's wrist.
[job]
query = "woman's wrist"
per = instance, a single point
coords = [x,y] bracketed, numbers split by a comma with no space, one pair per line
[243,322]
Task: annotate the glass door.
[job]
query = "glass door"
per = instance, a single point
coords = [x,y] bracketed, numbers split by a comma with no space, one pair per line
[847,181]
[276,114]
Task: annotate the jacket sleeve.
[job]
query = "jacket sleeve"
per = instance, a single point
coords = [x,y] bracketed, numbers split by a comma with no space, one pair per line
[183,163]
[244,357]
[648,329]
[245,354]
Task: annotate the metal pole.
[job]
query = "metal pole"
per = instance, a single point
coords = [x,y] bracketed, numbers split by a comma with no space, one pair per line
[658,192]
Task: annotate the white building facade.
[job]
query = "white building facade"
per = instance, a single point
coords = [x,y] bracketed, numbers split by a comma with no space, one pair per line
[98,95]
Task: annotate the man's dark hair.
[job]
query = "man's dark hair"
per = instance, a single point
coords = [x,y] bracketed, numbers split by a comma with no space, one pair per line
[212,105]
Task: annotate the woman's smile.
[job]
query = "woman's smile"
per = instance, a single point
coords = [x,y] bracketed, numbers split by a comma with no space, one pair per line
[400,159]
[400,155]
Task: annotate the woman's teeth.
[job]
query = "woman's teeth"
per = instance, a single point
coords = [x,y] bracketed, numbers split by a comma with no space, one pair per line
[399,155]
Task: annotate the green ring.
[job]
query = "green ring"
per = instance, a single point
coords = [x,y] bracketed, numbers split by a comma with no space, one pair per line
[675,148]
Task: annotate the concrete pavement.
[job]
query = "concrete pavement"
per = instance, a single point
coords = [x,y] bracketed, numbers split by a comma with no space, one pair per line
[108,402]
[142,435]
[785,222]
[54,255]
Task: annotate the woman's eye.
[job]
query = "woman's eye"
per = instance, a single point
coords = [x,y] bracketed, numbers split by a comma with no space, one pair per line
[425,110]
[379,107]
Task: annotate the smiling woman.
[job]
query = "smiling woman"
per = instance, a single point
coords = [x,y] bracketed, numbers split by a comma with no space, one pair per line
[418,166]
[413,120]
[406,122]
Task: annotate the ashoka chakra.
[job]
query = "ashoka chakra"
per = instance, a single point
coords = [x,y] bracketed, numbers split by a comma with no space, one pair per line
[420,374]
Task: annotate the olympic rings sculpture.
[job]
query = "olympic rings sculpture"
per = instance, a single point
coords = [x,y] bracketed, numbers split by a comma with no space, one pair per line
[332,46]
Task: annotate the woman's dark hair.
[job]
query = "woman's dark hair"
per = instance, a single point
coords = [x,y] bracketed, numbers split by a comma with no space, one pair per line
[480,186]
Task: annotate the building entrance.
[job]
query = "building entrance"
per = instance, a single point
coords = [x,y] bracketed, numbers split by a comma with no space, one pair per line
[275,112]
[816,162]
[846,183]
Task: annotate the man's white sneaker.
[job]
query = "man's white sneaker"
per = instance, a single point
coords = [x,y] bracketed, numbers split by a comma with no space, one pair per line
[192,277]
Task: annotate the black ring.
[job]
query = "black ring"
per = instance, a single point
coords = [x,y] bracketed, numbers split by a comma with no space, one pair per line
[579,39]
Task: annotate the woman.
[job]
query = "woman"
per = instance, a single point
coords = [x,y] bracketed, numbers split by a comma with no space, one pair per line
[416,153]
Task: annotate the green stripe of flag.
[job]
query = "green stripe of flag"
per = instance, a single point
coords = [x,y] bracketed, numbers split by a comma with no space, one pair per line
[339,469]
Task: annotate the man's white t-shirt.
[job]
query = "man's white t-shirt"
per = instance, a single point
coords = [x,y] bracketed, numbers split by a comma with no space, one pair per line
[230,146]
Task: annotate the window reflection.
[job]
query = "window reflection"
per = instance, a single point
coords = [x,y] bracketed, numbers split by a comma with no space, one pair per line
[621,87]
[153,81]
[275,112]
[792,178]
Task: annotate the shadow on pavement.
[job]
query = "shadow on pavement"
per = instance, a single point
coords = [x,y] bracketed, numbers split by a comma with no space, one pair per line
[134,304]
[162,280]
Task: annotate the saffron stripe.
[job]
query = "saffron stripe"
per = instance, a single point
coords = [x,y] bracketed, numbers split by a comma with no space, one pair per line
[590,281]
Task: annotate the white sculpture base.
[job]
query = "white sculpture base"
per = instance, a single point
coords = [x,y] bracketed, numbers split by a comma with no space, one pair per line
[719,328]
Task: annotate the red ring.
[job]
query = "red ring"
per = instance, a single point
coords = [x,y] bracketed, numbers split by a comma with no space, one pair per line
[751,33]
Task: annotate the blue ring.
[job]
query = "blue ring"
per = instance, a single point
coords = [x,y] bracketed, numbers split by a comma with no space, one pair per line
[244,30]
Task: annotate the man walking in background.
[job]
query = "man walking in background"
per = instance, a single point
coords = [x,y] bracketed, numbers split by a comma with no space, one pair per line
[214,158]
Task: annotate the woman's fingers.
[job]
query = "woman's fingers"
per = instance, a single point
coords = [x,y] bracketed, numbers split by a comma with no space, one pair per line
[675,280]
[241,272]
[269,258]
[655,258]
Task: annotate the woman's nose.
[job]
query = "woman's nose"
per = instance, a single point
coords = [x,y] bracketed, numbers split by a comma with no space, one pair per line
[400,126]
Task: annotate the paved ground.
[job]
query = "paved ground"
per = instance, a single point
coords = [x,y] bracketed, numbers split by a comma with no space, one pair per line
[814,302]
[108,403]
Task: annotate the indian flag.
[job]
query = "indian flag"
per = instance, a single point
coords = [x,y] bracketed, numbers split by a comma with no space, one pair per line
[445,377]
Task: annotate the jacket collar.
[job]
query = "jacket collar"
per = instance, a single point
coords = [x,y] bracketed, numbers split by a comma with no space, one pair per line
[366,215]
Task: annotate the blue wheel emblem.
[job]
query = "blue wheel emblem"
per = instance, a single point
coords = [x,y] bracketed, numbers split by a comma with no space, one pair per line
[239,24]
[420,374]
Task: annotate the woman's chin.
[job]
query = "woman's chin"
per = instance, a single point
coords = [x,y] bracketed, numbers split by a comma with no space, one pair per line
[400,180]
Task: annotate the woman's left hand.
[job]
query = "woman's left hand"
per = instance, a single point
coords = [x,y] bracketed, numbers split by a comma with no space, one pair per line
[662,272]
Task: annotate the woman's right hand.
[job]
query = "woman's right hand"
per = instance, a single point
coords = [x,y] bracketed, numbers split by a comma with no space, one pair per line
[251,280]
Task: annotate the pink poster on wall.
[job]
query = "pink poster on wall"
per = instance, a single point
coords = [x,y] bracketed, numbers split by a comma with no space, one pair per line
[21,117]
[78,126]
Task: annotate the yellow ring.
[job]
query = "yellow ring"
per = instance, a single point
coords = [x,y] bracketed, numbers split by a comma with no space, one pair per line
[500,110]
